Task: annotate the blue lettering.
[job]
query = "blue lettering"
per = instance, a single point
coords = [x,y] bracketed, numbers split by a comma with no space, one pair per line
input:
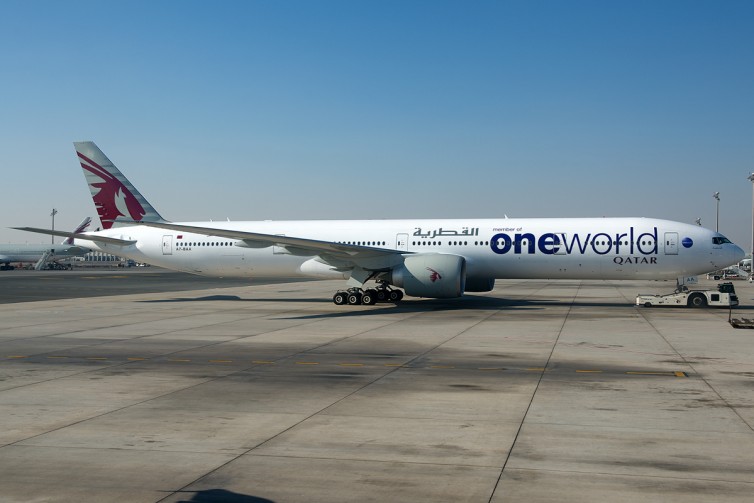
[576,239]
[548,243]
[496,245]
[596,241]
[618,240]
[601,243]
[530,239]
[649,242]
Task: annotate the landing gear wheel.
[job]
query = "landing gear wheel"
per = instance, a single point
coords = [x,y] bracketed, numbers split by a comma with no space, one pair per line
[395,295]
[340,298]
[382,295]
[369,298]
[354,298]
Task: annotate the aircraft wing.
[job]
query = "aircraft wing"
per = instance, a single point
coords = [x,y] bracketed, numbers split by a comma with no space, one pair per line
[74,235]
[336,254]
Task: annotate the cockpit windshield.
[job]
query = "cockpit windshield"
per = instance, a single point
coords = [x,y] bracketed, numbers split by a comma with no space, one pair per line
[720,240]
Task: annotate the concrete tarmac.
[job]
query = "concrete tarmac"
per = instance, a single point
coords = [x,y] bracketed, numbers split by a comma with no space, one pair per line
[25,286]
[538,391]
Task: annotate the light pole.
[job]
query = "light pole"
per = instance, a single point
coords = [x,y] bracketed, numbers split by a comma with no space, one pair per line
[716,195]
[54,212]
[751,179]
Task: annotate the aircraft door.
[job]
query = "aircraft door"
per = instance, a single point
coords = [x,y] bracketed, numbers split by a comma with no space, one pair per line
[167,245]
[561,243]
[401,242]
[671,243]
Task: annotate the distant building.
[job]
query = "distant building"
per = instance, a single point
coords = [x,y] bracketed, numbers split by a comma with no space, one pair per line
[99,257]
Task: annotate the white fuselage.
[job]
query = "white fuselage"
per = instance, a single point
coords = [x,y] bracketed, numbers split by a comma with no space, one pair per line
[568,248]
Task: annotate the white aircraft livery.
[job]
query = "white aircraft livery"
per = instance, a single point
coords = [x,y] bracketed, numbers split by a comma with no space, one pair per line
[426,258]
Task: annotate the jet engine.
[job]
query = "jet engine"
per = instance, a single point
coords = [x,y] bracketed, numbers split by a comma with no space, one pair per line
[432,275]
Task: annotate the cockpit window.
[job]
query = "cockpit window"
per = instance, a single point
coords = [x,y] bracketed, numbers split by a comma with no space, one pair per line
[719,240]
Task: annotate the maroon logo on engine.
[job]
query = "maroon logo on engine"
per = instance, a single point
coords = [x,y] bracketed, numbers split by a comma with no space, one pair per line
[434,275]
[113,199]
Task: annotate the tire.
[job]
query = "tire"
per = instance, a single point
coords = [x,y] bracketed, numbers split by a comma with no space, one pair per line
[647,304]
[354,299]
[368,299]
[340,298]
[381,295]
[697,300]
[395,295]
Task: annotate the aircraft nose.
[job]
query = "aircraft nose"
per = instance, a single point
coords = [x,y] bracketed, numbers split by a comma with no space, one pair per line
[736,254]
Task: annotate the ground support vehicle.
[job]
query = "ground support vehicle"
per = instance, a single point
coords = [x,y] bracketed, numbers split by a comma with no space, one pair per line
[724,296]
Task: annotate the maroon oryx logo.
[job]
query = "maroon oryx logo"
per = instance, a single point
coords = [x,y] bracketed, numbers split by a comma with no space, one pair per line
[434,275]
[113,199]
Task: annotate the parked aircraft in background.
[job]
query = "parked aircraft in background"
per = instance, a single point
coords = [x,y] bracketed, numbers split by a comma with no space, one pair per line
[43,254]
[440,258]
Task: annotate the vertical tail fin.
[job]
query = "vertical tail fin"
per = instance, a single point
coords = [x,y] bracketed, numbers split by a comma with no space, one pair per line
[114,196]
[78,230]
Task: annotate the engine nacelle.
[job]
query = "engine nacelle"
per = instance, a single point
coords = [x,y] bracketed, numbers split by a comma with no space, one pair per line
[480,284]
[434,275]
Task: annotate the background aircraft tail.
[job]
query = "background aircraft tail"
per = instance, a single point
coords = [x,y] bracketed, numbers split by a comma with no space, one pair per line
[114,196]
[78,230]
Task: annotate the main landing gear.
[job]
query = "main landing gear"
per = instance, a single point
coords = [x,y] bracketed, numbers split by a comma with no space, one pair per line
[368,297]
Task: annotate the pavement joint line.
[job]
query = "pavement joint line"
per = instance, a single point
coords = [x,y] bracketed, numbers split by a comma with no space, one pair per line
[675,373]
[733,408]
[536,388]
[338,340]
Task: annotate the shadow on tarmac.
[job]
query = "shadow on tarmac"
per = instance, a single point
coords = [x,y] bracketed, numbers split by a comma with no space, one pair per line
[425,305]
[222,496]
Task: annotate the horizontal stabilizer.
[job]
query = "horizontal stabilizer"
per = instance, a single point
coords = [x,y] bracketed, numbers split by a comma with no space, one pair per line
[86,237]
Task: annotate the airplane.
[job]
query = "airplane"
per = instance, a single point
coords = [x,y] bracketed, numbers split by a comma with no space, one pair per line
[439,258]
[13,253]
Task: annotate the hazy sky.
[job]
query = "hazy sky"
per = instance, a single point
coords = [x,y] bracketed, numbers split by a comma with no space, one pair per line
[381,109]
